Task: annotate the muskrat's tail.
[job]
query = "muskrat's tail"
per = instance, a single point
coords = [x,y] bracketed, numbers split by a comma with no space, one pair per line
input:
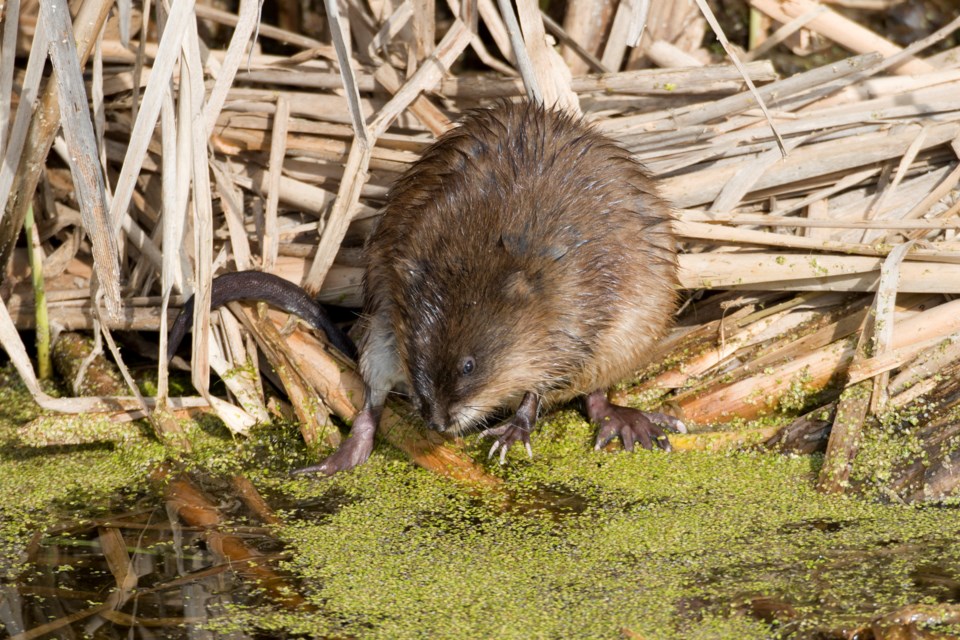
[263,287]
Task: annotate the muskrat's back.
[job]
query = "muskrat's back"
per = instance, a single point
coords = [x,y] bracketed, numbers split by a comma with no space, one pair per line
[525,247]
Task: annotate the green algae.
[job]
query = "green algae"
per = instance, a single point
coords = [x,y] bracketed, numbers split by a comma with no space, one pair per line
[577,543]
[664,545]
[41,485]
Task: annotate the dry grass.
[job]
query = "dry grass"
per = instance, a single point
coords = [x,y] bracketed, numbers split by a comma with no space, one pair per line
[825,203]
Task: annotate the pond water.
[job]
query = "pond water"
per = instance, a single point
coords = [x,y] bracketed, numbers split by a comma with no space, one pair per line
[131,574]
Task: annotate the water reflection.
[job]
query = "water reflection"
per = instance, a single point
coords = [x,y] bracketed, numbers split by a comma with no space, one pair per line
[142,573]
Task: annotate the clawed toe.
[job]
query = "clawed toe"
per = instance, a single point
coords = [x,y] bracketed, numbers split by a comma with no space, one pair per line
[515,429]
[506,435]
[632,426]
[632,430]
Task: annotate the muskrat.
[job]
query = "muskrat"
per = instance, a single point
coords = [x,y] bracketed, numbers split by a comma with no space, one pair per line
[525,259]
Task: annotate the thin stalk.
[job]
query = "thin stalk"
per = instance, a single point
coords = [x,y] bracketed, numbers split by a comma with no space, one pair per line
[35,256]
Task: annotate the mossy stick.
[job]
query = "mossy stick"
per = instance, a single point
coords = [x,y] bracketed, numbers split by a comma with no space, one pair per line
[35,256]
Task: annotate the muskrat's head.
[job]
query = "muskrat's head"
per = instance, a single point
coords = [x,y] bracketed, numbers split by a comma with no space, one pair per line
[475,348]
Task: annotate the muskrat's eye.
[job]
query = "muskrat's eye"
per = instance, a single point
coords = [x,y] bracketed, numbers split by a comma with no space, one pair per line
[467,365]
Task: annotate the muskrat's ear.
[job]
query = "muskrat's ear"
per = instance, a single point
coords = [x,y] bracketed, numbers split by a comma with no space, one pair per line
[519,247]
[520,284]
[516,245]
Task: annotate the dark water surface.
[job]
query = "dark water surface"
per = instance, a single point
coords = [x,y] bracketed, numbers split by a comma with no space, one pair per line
[136,573]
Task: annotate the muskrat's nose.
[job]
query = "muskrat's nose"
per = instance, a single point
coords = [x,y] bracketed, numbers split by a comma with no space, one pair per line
[436,418]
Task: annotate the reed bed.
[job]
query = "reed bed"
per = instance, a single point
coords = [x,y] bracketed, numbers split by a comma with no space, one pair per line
[816,211]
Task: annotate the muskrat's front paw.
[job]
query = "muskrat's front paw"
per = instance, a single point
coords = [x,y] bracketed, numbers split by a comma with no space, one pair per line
[352,453]
[633,425]
[507,434]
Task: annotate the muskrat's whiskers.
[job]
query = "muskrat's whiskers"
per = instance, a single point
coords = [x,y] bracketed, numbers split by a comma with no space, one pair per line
[469,418]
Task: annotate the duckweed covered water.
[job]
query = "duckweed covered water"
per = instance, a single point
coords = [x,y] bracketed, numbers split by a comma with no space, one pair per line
[576,544]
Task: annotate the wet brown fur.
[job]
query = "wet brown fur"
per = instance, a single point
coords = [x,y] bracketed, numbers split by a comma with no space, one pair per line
[528,241]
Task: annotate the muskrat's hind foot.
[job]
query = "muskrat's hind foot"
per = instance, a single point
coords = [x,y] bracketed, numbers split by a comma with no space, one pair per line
[354,450]
[515,429]
[630,425]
